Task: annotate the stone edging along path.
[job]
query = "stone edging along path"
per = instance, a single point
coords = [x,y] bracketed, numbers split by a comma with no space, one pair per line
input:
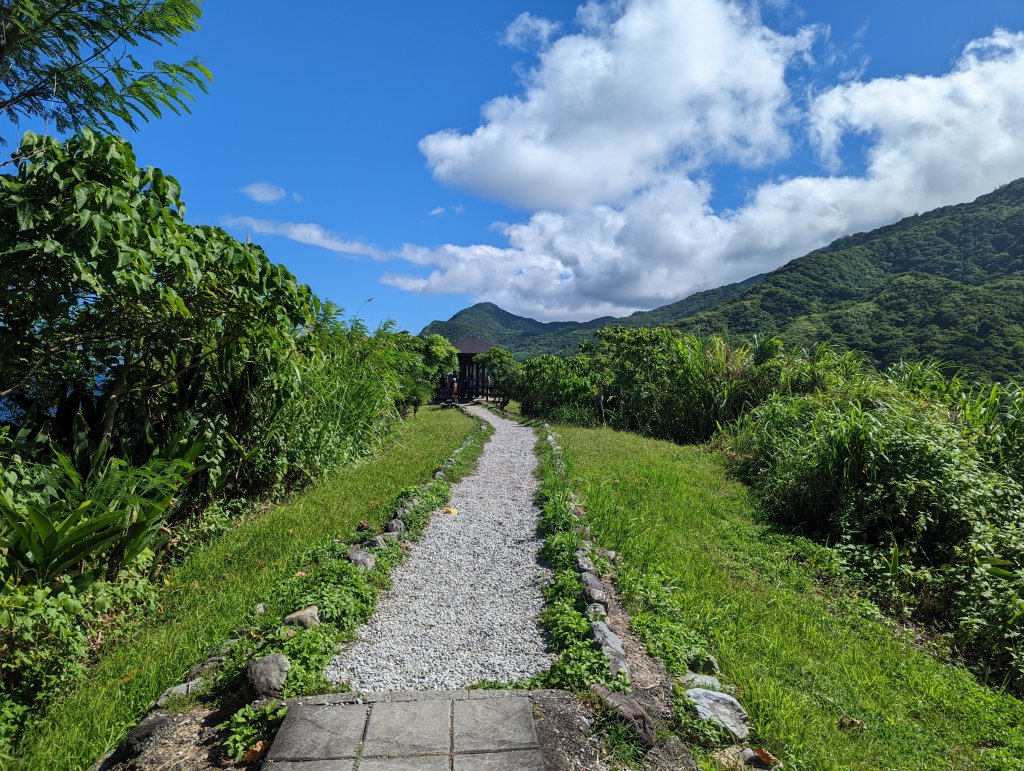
[464,604]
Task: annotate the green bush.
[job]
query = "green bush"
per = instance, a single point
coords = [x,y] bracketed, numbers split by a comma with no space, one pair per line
[914,491]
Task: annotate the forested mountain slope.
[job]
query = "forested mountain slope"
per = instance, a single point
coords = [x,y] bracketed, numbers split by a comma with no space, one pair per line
[946,284]
[526,337]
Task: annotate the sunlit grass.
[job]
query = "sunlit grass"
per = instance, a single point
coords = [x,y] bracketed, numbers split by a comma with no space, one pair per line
[216,588]
[800,655]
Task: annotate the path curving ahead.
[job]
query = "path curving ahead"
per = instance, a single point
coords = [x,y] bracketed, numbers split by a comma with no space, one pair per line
[464,604]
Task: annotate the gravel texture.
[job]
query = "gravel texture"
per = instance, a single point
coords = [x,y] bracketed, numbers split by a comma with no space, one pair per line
[464,604]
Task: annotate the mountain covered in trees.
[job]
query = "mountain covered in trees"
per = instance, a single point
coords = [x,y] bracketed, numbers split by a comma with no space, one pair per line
[947,284]
[527,337]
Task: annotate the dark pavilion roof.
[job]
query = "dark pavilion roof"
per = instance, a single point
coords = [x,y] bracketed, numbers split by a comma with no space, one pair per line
[473,345]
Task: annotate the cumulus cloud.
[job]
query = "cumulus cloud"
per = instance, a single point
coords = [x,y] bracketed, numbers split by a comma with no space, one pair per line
[305,233]
[264,192]
[665,83]
[622,210]
[526,29]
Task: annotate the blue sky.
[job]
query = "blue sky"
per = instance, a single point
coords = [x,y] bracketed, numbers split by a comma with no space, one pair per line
[567,160]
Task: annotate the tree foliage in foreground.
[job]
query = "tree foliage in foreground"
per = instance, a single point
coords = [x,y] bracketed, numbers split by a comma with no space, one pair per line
[72,62]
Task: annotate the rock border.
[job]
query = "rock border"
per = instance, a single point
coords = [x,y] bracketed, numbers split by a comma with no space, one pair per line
[705,692]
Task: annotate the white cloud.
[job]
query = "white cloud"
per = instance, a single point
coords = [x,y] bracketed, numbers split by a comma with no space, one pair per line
[437,211]
[305,233]
[662,84]
[623,219]
[264,192]
[526,29]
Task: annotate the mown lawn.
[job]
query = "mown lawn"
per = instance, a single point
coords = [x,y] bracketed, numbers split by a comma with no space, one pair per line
[804,656]
[216,588]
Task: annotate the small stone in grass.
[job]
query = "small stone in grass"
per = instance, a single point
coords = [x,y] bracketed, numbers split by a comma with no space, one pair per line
[596,596]
[591,581]
[693,680]
[382,541]
[705,664]
[722,709]
[265,677]
[361,559]
[595,609]
[307,617]
[396,526]
[606,639]
[260,609]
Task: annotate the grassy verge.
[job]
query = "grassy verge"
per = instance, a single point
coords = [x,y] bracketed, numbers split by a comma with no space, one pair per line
[215,589]
[828,685]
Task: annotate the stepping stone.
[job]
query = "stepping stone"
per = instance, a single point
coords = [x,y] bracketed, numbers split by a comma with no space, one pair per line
[320,733]
[494,724]
[408,728]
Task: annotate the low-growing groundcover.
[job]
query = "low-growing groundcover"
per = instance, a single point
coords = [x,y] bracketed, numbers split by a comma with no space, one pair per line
[216,587]
[828,684]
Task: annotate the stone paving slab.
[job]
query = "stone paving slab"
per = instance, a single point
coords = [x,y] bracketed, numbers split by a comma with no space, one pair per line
[409,728]
[517,760]
[320,733]
[419,731]
[493,724]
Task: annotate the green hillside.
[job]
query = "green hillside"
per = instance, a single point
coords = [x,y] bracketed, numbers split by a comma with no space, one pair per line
[526,338]
[945,284]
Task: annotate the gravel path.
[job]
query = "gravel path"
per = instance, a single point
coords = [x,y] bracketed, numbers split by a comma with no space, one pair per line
[464,604]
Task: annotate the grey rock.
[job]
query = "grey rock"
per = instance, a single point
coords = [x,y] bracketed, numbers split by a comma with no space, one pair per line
[265,677]
[595,609]
[260,609]
[439,474]
[629,711]
[720,708]
[182,689]
[606,639]
[224,648]
[306,617]
[143,736]
[585,565]
[203,667]
[382,541]
[595,596]
[693,680]
[402,513]
[616,664]
[589,579]
[396,526]
[361,559]
[705,665]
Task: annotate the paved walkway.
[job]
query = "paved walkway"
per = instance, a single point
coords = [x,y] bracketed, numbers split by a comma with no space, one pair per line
[421,731]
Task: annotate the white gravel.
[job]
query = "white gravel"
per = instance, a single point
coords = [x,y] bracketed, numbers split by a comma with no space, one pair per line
[465,602]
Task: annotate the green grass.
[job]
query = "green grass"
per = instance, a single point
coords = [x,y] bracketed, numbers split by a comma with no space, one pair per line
[702,573]
[216,587]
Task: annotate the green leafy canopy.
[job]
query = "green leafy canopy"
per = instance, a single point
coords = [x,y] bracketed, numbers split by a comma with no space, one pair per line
[72,63]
